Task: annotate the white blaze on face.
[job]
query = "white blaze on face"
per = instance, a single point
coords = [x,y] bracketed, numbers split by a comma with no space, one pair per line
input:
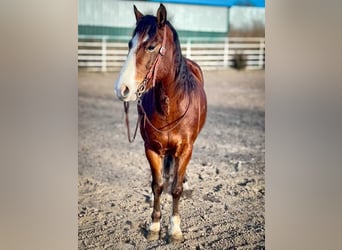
[126,85]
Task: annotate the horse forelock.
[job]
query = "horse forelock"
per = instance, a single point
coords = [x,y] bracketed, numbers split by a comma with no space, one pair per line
[146,27]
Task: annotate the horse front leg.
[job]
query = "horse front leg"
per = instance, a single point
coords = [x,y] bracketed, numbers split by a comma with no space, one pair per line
[157,187]
[181,163]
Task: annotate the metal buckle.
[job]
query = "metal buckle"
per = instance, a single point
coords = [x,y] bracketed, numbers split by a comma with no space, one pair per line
[162,50]
[141,89]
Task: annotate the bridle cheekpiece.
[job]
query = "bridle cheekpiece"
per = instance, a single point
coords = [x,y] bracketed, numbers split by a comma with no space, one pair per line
[153,70]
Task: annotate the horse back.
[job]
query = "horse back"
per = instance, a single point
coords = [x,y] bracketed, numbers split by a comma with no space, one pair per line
[195,70]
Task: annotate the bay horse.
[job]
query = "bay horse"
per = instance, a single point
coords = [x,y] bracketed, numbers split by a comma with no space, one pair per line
[171,104]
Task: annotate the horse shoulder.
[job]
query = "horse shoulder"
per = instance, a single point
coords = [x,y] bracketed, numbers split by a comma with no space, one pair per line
[195,70]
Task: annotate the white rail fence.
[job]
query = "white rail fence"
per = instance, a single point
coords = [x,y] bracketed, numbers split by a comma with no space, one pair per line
[248,53]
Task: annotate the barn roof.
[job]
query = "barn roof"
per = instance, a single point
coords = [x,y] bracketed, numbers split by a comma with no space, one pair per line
[225,3]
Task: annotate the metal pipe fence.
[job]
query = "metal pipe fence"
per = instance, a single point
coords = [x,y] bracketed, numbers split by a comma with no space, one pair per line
[108,53]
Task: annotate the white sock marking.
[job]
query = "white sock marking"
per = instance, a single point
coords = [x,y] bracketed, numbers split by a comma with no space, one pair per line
[175,225]
[154,227]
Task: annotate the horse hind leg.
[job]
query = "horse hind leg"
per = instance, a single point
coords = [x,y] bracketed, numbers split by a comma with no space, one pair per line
[168,164]
[187,190]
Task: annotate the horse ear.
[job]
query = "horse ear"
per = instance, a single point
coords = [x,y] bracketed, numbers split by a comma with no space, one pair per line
[138,14]
[161,15]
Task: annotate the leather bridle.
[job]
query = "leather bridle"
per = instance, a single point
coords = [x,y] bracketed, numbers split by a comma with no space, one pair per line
[142,89]
[153,70]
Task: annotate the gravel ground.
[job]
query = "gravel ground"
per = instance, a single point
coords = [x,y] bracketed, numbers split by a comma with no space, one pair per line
[224,206]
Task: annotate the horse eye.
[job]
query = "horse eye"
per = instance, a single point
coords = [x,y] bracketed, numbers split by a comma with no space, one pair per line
[151,48]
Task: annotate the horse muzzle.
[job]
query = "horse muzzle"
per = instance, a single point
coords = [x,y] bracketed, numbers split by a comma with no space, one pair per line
[126,94]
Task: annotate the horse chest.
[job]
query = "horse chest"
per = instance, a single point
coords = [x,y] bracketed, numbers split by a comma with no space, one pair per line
[162,143]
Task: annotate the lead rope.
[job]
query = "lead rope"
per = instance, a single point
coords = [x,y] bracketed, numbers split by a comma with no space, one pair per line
[130,139]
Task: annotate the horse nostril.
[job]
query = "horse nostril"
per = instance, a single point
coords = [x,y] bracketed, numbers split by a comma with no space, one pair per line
[124,91]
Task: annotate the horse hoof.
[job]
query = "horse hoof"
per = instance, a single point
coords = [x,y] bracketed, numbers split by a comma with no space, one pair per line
[152,236]
[177,237]
[153,231]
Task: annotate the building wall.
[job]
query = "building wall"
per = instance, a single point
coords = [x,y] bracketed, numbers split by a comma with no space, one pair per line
[113,18]
[246,18]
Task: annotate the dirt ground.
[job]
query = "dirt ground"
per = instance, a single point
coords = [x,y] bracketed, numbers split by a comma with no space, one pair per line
[224,207]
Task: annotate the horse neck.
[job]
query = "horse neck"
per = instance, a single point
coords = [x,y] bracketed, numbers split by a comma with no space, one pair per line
[171,82]
[170,96]
[173,69]
[169,89]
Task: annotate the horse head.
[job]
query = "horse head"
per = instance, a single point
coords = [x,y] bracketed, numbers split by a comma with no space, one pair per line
[146,48]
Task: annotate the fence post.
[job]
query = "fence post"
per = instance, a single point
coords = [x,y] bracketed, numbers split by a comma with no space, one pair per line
[188,49]
[104,55]
[226,52]
[261,53]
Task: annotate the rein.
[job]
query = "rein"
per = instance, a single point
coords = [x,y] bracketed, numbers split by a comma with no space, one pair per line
[142,89]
